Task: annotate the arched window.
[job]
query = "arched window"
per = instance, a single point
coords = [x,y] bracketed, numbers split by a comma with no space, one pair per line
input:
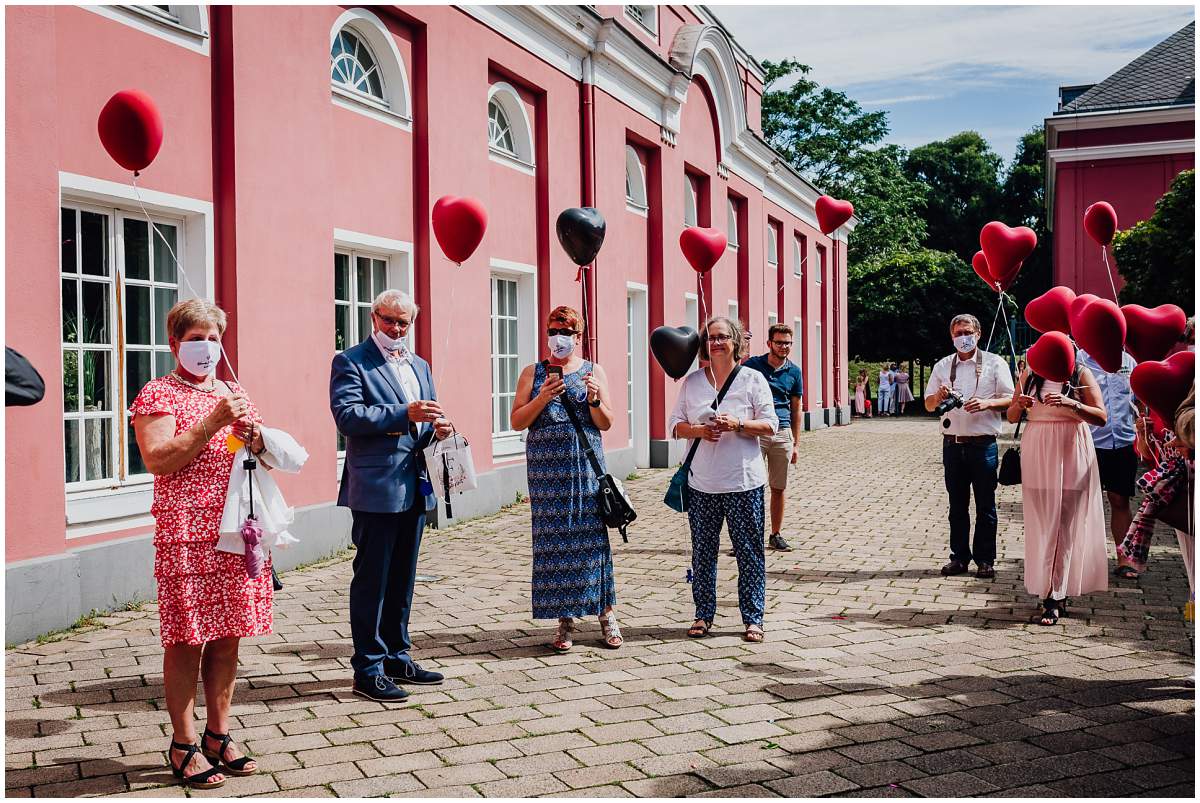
[366,70]
[689,201]
[772,245]
[355,67]
[732,223]
[635,181]
[510,135]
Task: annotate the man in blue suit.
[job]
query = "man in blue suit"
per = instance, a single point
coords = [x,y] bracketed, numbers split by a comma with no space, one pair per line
[383,401]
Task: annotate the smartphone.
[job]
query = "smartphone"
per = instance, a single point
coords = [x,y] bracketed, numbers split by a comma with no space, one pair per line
[706,418]
[554,370]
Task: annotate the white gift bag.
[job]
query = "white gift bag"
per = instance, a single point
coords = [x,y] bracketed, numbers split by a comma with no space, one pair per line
[450,461]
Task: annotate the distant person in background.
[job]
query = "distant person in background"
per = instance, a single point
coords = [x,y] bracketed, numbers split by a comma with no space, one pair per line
[901,392]
[862,390]
[885,391]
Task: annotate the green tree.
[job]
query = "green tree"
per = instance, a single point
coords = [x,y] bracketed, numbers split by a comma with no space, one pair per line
[1157,257]
[962,175]
[901,303]
[819,131]
[887,203]
[1023,203]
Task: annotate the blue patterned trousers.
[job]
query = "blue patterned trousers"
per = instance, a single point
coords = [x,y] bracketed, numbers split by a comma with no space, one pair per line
[743,510]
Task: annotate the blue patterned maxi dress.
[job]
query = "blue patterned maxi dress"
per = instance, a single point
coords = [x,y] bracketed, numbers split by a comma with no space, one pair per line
[572,563]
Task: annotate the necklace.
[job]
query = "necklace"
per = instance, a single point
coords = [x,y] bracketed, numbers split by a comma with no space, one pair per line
[183,381]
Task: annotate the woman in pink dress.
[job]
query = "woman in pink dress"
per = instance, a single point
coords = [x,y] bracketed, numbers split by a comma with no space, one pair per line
[1065,535]
[206,600]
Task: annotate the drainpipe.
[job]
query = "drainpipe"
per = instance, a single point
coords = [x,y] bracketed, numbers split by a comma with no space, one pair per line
[587,110]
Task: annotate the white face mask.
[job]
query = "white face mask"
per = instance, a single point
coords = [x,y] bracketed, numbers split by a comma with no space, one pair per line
[561,346]
[964,343]
[199,357]
[391,343]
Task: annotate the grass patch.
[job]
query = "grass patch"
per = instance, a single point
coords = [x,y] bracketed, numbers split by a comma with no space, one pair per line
[89,621]
[631,476]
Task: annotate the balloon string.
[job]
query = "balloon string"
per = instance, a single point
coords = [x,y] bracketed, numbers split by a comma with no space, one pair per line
[1109,273]
[1012,346]
[439,373]
[996,317]
[179,267]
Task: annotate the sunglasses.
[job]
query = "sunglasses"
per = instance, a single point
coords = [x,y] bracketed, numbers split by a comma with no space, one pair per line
[567,332]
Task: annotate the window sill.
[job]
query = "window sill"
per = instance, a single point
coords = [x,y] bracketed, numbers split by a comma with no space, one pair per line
[507,446]
[176,33]
[508,160]
[636,208]
[107,504]
[355,103]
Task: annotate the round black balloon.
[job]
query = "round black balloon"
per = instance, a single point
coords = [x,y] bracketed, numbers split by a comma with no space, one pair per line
[581,232]
[675,348]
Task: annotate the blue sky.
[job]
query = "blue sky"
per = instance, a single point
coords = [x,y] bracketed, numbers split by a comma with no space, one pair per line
[939,70]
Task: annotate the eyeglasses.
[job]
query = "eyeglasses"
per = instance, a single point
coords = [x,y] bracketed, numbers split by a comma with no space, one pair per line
[719,338]
[567,332]
[782,343]
[389,321]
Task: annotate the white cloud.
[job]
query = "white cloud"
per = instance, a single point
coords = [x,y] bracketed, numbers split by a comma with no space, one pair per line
[850,46]
[901,99]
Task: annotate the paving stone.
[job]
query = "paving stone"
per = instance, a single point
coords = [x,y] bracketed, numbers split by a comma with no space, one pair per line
[598,775]
[813,784]
[667,786]
[955,784]
[880,773]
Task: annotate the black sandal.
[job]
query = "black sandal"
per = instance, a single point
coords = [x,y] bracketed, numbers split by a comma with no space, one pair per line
[1127,572]
[699,629]
[217,757]
[198,780]
[1052,611]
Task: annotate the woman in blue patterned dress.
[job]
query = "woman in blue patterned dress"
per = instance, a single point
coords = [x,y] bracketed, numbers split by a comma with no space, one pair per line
[572,562]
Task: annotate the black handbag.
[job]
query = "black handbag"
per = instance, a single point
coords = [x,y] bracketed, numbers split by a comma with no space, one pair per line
[612,503]
[1010,463]
[677,491]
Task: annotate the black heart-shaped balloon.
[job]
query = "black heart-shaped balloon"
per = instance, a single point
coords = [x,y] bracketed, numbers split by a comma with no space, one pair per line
[581,232]
[675,348]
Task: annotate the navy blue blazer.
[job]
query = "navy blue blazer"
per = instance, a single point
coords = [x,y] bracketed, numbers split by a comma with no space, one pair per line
[383,462]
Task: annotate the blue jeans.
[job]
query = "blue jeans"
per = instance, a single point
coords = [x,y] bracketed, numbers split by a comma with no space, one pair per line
[971,467]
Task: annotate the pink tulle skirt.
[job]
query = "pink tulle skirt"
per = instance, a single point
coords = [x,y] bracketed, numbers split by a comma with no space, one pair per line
[1065,532]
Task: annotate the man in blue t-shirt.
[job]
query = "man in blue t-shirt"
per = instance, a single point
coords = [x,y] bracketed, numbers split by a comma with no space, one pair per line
[781,449]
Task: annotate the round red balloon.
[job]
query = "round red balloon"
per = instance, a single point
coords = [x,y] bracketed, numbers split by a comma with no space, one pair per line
[1100,222]
[131,129]
[702,247]
[832,213]
[1164,385]
[1051,311]
[1052,357]
[1152,333]
[1100,331]
[459,224]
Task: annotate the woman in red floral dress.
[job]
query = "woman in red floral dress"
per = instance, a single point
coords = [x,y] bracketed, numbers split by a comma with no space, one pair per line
[206,600]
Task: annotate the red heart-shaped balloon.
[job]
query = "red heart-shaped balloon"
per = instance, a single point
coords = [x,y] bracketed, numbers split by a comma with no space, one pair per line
[1163,385]
[1006,248]
[1152,333]
[131,129]
[979,263]
[1100,222]
[702,247]
[1078,305]
[459,224]
[1051,311]
[1052,357]
[1100,331]
[832,213]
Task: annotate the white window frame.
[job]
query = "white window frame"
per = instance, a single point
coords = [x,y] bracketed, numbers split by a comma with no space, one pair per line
[731,222]
[635,183]
[818,387]
[646,18]
[396,109]
[799,254]
[509,443]
[637,296]
[506,96]
[735,311]
[821,251]
[772,245]
[186,26]
[772,319]
[691,317]
[690,207]
[110,504]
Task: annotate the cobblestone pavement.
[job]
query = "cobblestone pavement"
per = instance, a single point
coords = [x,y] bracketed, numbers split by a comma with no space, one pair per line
[879,677]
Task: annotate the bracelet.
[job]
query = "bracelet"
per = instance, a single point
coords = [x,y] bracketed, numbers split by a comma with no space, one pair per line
[741,425]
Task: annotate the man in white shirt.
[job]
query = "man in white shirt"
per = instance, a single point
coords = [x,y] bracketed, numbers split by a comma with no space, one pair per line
[983,383]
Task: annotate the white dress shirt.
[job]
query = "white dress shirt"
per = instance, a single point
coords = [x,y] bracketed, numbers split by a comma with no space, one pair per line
[993,383]
[734,463]
[402,369]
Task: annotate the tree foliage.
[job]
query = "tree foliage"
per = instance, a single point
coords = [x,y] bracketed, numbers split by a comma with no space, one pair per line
[887,203]
[1023,203]
[962,175]
[1157,257]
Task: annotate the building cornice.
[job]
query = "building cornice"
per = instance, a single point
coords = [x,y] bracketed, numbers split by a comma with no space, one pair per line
[1085,121]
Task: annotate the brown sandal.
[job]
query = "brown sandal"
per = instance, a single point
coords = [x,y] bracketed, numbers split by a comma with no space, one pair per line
[754,634]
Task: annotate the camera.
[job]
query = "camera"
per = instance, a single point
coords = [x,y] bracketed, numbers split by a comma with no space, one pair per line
[951,402]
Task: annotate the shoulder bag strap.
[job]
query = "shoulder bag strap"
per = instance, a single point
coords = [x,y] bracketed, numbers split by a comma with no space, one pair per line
[583,441]
[716,402]
[1024,389]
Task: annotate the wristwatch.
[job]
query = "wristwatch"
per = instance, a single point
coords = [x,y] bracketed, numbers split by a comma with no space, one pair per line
[595,403]
[741,425]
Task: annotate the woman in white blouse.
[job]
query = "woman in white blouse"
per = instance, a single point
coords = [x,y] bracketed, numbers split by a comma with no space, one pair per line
[727,473]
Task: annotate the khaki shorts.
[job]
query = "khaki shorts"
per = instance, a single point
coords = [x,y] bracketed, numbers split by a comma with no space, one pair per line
[777,451]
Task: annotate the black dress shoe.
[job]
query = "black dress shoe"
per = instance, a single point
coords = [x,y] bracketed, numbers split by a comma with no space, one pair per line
[985,571]
[954,567]
[379,688]
[410,673]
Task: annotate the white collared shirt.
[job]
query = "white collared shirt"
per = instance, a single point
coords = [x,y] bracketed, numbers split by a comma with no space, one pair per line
[404,373]
[734,463]
[994,382]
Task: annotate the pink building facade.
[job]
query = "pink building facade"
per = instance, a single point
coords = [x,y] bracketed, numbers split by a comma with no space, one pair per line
[304,149]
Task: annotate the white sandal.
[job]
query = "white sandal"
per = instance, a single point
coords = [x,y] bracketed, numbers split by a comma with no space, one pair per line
[562,638]
[608,624]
